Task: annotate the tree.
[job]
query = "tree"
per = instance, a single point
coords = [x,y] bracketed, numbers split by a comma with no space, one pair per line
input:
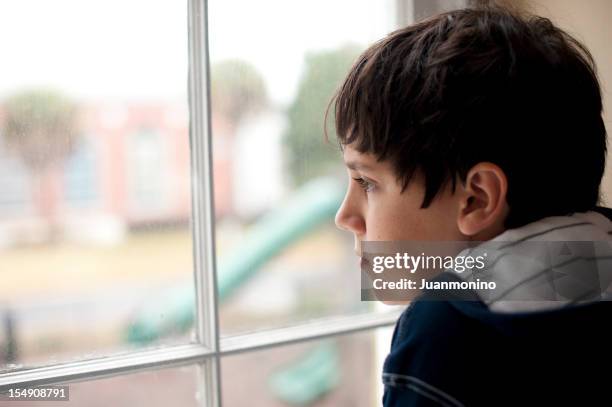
[41,127]
[309,155]
[237,90]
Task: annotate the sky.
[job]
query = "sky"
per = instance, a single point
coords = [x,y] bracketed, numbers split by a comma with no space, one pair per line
[137,49]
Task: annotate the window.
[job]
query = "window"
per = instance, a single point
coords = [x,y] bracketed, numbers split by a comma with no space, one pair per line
[170,221]
[80,175]
[14,184]
[145,166]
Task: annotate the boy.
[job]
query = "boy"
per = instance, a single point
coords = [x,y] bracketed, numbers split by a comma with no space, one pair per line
[484,125]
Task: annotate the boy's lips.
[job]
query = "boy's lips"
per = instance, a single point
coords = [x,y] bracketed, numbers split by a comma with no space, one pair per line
[364,262]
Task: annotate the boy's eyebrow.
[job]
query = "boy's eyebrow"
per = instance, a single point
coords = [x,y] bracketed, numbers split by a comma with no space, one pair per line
[355,165]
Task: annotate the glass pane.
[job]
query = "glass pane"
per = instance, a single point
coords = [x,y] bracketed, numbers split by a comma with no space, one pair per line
[94,178]
[341,371]
[158,388]
[277,183]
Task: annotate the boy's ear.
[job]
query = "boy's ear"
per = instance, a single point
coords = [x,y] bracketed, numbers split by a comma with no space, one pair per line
[483,207]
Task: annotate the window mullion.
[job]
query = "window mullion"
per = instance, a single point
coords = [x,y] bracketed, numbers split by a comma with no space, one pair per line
[132,362]
[314,330]
[206,323]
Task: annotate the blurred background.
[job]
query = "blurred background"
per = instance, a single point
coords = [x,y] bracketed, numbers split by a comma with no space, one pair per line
[95,188]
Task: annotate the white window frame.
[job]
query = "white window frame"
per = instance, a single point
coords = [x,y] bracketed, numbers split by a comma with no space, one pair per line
[209,348]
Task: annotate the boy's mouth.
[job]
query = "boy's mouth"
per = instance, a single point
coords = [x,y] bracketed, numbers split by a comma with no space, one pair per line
[364,262]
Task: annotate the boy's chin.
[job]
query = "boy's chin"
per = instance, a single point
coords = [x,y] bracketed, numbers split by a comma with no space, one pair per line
[395,302]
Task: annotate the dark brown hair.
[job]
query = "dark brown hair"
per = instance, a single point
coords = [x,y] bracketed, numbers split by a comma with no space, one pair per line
[475,85]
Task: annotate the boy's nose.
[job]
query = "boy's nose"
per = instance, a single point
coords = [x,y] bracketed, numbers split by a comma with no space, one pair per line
[350,220]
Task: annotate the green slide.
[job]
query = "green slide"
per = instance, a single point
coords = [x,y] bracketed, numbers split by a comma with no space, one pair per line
[317,373]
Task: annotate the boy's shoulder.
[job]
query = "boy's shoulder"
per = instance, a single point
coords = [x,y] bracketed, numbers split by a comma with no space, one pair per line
[429,354]
[459,350]
[435,310]
[607,212]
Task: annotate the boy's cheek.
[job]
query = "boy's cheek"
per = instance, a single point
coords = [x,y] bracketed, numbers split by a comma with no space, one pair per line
[385,228]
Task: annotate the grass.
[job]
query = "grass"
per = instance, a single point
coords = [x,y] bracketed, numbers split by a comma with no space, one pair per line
[65,268]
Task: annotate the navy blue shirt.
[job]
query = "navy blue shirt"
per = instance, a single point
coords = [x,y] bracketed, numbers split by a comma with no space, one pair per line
[448,352]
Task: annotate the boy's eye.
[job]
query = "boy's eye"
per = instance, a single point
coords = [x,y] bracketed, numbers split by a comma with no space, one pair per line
[367,186]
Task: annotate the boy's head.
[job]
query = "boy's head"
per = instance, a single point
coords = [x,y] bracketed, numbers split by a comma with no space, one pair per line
[471,122]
